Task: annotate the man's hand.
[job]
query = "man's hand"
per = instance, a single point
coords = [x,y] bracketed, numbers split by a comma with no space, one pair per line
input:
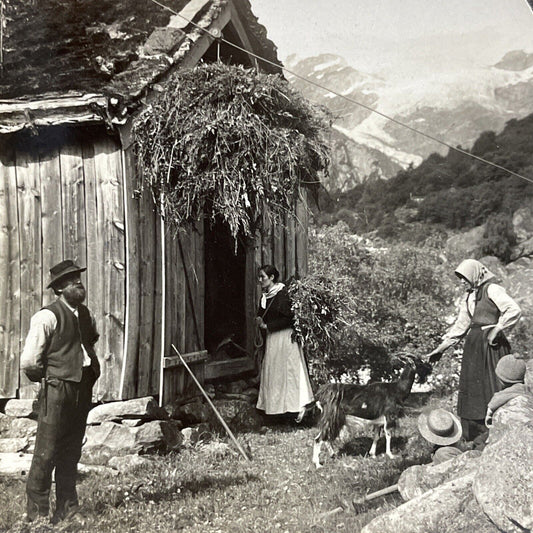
[260,322]
[488,419]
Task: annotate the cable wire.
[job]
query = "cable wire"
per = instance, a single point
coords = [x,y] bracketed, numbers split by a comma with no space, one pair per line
[348,99]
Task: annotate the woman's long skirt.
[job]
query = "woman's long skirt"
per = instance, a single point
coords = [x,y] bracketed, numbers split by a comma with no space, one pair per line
[285,385]
[478,381]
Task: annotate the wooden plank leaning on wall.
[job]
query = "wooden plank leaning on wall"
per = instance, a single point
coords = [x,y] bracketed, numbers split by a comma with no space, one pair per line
[9,275]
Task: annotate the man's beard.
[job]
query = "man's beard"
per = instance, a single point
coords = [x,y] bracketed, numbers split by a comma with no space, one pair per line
[74,295]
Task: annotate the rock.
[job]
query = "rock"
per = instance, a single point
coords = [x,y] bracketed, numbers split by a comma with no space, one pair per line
[96,469]
[503,484]
[14,445]
[152,436]
[523,223]
[435,510]
[15,464]
[528,380]
[20,408]
[192,413]
[132,422]
[99,454]
[11,427]
[247,419]
[465,244]
[519,284]
[127,463]
[416,480]
[192,435]
[514,414]
[145,408]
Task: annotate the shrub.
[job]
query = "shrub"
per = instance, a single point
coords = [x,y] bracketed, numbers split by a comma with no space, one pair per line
[390,299]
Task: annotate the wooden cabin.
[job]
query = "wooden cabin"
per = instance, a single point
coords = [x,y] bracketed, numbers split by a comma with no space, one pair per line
[72,81]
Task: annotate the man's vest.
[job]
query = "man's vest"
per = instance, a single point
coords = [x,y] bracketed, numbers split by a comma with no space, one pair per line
[64,355]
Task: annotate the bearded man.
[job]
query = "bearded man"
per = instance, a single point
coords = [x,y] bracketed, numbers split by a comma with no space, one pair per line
[59,353]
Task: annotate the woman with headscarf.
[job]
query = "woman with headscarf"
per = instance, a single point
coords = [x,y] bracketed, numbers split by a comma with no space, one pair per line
[484,314]
[285,386]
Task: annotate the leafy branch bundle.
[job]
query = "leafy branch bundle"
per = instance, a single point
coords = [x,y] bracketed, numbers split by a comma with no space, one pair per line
[229,142]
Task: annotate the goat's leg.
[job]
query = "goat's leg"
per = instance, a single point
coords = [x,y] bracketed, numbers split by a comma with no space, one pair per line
[317,446]
[372,451]
[387,440]
[330,448]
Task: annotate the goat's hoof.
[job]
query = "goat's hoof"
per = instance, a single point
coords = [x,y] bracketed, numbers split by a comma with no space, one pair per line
[317,466]
[391,456]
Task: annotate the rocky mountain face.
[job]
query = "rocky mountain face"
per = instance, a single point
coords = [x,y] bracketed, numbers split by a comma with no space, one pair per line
[454,107]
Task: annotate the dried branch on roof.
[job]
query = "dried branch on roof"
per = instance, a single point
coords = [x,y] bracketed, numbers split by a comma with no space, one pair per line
[228,142]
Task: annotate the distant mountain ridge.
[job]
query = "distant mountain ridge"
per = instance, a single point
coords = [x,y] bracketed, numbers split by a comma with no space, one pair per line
[455,107]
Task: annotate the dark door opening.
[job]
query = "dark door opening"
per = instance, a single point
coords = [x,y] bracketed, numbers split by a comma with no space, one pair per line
[225,274]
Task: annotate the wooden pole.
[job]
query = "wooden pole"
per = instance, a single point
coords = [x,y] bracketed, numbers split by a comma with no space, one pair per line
[377,494]
[228,430]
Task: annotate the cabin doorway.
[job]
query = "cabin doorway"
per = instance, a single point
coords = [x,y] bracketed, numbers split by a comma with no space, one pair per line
[225,276]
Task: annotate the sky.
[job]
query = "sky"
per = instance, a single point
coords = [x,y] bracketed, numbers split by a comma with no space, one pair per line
[399,38]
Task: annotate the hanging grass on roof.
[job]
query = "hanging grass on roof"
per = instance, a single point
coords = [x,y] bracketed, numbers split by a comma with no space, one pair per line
[228,142]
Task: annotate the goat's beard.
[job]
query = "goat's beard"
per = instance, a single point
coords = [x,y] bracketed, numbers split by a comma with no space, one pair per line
[74,295]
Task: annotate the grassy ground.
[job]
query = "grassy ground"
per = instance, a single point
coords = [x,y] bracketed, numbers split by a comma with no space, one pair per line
[211,488]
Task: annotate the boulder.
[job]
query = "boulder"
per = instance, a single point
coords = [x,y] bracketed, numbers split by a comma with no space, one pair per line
[416,480]
[465,244]
[192,435]
[144,408]
[514,414]
[127,463]
[529,375]
[17,444]
[152,436]
[99,454]
[193,412]
[11,427]
[519,283]
[503,484]
[440,509]
[132,422]
[20,408]
[239,415]
[523,223]
[15,464]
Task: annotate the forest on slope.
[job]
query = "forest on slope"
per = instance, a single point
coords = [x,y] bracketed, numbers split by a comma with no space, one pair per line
[452,192]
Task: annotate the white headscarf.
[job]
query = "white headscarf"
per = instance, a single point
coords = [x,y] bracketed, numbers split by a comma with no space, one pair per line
[271,293]
[474,272]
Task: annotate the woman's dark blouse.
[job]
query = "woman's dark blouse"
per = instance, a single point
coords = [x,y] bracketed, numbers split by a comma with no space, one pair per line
[278,315]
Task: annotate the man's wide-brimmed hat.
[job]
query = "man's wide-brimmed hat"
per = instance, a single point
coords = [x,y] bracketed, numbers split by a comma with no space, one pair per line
[440,427]
[63,269]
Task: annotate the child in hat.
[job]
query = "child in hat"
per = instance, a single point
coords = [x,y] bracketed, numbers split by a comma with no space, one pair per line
[443,429]
[511,371]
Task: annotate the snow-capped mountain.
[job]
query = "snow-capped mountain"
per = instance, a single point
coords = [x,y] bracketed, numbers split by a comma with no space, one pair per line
[454,106]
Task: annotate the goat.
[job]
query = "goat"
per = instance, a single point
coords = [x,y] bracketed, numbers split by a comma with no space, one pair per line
[376,404]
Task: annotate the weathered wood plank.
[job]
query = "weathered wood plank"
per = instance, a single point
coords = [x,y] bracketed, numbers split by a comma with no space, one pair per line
[250,291]
[9,276]
[290,247]
[187,250]
[110,214]
[231,367]
[147,284]
[302,221]
[73,202]
[266,242]
[199,267]
[134,284]
[180,297]
[158,330]
[278,249]
[174,360]
[29,206]
[51,215]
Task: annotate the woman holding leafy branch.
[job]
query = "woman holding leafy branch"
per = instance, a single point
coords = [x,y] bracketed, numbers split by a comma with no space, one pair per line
[485,313]
[285,386]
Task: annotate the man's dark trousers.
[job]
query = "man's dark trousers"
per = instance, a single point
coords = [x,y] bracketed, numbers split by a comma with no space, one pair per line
[63,410]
